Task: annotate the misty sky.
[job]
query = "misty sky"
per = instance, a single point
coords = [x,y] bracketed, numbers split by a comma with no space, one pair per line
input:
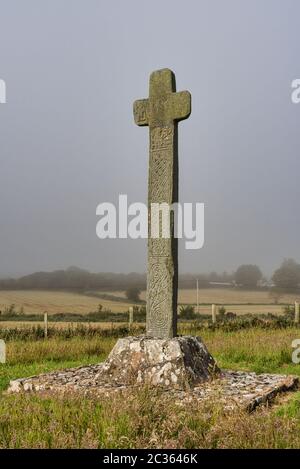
[68,141]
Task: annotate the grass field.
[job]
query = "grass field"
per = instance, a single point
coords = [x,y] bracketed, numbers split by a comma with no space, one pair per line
[37,301]
[238,301]
[147,420]
[222,296]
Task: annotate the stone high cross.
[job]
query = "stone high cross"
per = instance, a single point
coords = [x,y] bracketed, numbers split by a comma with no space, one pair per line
[161,112]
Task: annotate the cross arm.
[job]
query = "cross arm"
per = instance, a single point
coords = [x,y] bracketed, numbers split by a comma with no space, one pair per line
[141,112]
[180,105]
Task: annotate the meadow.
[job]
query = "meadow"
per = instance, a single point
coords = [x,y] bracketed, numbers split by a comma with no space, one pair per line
[235,300]
[147,419]
[38,301]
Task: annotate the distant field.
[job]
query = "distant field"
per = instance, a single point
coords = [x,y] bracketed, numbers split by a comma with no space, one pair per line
[35,301]
[245,309]
[230,296]
[238,301]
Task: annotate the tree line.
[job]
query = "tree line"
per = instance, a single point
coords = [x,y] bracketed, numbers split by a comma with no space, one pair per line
[286,277]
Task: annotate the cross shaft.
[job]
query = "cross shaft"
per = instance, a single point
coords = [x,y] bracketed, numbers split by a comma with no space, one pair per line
[161,112]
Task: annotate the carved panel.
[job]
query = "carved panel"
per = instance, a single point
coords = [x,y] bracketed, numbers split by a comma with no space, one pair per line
[159,296]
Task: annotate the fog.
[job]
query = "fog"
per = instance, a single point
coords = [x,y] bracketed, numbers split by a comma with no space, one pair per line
[72,70]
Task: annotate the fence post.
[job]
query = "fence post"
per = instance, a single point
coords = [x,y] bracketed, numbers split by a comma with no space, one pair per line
[296,312]
[130,318]
[213,313]
[197,297]
[2,351]
[45,325]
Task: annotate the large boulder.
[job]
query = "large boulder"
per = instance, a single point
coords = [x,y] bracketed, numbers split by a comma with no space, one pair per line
[179,362]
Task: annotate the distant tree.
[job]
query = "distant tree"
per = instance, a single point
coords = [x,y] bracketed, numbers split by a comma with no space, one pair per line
[187,312]
[221,312]
[133,294]
[289,312]
[230,315]
[288,275]
[248,275]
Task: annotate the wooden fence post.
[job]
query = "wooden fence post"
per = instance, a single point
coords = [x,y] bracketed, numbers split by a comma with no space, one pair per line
[45,325]
[213,313]
[130,318]
[2,351]
[296,312]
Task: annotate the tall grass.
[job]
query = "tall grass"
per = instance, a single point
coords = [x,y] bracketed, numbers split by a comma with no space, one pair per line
[78,330]
[146,420]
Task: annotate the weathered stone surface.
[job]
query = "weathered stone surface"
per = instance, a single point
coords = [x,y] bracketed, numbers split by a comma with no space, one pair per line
[231,389]
[177,362]
[182,367]
[161,112]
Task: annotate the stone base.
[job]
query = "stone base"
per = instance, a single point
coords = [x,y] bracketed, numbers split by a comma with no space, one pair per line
[180,362]
[182,367]
[240,389]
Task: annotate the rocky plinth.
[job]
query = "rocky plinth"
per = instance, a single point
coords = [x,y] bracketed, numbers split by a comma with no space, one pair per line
[180,362]
[181,366]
